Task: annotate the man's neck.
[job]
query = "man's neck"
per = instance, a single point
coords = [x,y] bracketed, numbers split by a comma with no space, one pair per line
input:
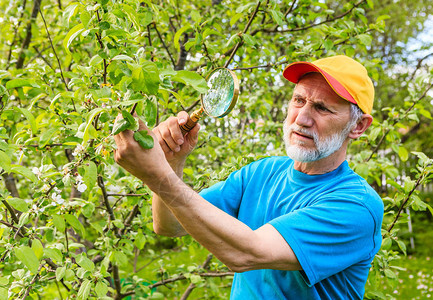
[324,165]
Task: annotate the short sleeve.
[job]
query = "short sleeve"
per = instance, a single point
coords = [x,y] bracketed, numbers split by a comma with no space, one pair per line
[226,195]
[329,236]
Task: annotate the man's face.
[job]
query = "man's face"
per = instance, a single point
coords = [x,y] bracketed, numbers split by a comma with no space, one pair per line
[317,120]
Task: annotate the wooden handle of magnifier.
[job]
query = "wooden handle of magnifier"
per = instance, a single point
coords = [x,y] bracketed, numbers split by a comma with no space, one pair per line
[192,120]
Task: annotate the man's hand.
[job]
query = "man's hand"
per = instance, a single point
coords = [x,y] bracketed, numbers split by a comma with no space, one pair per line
[149,165]
[176,146]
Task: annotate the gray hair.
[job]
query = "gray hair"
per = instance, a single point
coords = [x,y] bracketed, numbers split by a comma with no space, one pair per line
[355,116]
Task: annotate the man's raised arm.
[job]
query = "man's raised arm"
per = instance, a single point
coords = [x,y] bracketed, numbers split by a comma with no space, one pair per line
[176,148]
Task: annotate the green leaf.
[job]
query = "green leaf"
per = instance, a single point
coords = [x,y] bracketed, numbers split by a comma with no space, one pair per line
[88,209]
[119,126]
[101,289]
[122,57]
[59,222]
[386,243]
[46,136]
[403,153]
[104,25]
[193,79]
[178,35]
[133,123]
[150,113]
[390,274]
[54,254]
[69,275]
[85,263]
[5,161]
[132,16]
[402,246]
[120,258]
[233,20]
[92,115]
[18,82]
[28,258]
[29,118]
[144,139]
[24,172]
[60,273]
[176,95]
[277,16]
[72,34]
[118,223]
[195,279]
[84,291]
[3,294]
[145,78]
[68,13]
[18,204]
[4,281]
[90,174]
[140,241]
[250,40]
[75,223]
[365,39]
[37,248]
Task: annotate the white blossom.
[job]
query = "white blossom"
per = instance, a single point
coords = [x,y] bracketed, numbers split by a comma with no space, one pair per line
[78,150]
[45,187]
[57,198]
[37,171]
[81,187]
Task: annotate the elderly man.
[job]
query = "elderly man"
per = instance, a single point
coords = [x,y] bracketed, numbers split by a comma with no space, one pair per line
[298,227]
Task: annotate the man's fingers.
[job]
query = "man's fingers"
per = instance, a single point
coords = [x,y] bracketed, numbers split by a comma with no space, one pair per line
[182,117]
[161,141]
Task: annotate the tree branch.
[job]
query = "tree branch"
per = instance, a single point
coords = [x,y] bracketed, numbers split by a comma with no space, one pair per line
[27,39]
[243,32]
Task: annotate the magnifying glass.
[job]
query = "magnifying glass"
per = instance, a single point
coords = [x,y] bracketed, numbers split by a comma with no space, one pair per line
[220,98]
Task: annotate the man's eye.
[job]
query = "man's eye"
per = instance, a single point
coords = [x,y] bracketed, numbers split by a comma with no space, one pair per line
[322,108]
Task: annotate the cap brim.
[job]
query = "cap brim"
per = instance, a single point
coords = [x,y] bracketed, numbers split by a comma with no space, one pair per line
[296,70]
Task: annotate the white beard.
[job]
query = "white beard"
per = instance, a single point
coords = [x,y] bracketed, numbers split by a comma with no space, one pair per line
[323,148]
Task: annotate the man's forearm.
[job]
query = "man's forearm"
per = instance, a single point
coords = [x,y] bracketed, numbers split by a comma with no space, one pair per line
[164,222]
[227,238]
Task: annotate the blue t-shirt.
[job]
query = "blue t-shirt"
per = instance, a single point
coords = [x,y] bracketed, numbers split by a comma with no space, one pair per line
[331,221]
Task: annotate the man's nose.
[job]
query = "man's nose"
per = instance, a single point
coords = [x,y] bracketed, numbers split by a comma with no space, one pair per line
[304,117]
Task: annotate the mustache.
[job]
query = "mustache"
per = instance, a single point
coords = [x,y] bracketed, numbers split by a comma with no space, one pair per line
[302,130]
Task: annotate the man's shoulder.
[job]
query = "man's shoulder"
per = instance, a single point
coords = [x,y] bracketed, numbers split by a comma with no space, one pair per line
[355,187]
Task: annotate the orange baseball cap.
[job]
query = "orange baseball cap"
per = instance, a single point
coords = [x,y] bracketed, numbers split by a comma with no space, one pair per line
[347,77]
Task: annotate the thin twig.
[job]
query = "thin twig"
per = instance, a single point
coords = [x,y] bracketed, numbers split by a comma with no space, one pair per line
[11,210]
[192,286]
[23,7]
[165,46]
[57,57]
[105,197]
[403,205]
[243,32]
[382,139]
[126,195]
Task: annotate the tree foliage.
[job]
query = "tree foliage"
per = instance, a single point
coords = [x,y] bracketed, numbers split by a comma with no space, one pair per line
[74,223]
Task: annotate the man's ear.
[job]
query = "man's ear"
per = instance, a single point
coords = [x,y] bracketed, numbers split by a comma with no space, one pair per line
[361,126]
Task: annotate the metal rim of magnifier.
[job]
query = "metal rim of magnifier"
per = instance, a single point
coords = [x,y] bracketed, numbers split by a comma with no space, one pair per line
[235,93]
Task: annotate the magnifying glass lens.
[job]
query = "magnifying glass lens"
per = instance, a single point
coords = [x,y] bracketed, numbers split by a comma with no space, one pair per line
[220,94]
